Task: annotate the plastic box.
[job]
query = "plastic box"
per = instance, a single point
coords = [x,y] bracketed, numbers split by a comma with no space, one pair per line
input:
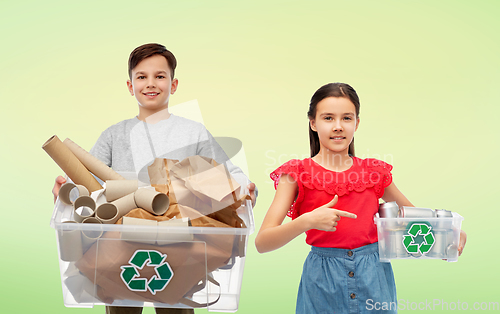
[216,289]
[423,238]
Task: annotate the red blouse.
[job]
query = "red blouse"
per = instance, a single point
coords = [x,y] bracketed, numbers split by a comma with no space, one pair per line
[358,188]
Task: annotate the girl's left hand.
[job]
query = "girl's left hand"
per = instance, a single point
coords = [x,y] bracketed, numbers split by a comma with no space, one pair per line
[461,243]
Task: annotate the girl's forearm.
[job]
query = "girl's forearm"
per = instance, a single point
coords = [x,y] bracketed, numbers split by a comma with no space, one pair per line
[272,238]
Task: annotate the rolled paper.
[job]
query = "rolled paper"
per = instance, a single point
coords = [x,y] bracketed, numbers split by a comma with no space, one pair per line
[97,167]
[69,192]
[107,213]
[154,202]
[70,244]
[143,236]
[119,188]
[89,237]
[180,234]
[70,164]
[125,204]
[87,207]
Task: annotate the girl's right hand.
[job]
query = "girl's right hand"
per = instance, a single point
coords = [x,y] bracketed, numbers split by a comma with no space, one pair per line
[326,217]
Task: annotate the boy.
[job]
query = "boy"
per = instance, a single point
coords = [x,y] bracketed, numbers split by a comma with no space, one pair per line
[133,144]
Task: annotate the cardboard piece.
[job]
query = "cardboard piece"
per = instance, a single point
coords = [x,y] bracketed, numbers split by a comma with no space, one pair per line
[207,180]
[70,164]
[70,244]
[83,201]
[148,237]
[154,202]
[69,192]
[97,167]
[197,182]
[180,235]
[119,188]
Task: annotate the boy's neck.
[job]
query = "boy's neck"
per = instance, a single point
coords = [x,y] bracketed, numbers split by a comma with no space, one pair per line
[153,117]
[333,160]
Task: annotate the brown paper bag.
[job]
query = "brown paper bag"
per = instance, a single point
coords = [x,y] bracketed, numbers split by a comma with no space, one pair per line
[190,261]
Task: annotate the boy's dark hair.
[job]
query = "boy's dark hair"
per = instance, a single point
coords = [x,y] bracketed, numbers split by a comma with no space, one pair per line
[330,90]
[148,50]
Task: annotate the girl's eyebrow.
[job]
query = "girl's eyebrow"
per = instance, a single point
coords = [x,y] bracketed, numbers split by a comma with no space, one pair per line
[333,114]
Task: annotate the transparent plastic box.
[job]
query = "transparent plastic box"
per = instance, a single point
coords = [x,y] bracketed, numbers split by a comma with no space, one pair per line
[150,266]
[422,238]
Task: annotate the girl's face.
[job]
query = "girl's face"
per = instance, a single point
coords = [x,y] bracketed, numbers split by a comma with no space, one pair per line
[335,123]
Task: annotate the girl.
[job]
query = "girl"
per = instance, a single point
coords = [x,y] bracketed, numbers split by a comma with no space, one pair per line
[342,273]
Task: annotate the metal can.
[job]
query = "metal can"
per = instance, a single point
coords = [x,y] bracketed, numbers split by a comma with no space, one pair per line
[389,210]
[415,212]
[446,221]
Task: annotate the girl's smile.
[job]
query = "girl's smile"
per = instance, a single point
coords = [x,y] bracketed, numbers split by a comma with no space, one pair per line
[335,123]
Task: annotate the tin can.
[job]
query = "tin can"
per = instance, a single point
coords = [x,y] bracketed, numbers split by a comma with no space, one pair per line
[446,221]
[415,212]
[439,249]
[389,210]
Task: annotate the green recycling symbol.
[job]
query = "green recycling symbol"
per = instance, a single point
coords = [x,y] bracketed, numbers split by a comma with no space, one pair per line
[419,231]
[131,277]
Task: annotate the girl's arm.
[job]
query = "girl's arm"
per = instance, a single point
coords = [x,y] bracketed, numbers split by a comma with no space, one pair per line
[392,193]
[273,234]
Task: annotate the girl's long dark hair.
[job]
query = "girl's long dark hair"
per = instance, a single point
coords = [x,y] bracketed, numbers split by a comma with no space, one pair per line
[330,90]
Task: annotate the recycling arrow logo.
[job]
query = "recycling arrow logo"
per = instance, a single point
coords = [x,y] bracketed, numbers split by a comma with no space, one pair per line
[131,276]
[420,238]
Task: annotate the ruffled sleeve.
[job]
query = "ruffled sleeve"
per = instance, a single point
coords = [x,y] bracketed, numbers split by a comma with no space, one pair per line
[379,174]
[293,168]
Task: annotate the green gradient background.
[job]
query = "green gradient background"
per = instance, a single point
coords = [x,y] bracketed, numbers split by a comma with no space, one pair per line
[427,73]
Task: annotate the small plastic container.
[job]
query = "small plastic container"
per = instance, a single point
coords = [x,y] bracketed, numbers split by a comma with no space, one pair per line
[423,238]
[157,257]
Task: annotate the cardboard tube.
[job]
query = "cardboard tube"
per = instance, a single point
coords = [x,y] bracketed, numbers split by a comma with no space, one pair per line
[141,237]
[154,202]
[119,188]
[107,213]
[83,201]
[181,235]
[97,167]
[70,244]
[89,237]
[69,192]
[125,204]
[70,164]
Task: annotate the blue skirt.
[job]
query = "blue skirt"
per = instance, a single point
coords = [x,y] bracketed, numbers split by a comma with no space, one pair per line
[346,281]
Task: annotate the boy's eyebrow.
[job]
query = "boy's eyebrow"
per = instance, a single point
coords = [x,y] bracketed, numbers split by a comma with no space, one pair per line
[142,73]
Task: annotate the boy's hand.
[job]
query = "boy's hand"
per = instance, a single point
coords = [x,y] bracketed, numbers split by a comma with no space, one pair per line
[57,185]
[325,217]
[251,189]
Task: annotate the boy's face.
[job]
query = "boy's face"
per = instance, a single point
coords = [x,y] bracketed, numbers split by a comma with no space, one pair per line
[152,85]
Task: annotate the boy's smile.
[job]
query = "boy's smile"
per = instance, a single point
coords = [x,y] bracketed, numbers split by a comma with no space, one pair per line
[152,85]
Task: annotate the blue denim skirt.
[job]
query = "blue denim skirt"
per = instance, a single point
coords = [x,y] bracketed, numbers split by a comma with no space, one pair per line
[346,281]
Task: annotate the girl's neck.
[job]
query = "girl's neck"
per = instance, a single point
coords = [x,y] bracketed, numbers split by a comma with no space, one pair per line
[335,161]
